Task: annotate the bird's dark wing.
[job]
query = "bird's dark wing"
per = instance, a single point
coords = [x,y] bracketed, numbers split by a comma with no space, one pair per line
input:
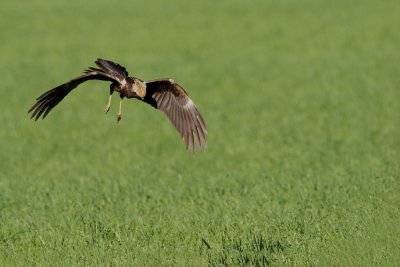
[171,98]
[111,67]
[48,100]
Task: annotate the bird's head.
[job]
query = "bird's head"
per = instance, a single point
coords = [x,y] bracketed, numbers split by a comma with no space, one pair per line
[140,88]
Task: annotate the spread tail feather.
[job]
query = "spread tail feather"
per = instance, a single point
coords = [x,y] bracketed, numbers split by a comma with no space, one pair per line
[110,66]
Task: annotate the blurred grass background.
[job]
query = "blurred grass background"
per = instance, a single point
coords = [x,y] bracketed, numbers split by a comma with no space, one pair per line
[301,103]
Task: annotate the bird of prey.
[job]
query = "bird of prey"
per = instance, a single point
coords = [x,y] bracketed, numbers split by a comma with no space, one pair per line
[163,94]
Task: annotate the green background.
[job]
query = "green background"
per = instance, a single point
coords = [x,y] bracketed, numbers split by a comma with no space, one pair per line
[301,103]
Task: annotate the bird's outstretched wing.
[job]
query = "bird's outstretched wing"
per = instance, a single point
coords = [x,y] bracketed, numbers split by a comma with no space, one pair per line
[171,98]
[48,100]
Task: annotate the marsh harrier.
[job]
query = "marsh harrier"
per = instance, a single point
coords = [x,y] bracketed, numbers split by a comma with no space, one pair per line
[163,94]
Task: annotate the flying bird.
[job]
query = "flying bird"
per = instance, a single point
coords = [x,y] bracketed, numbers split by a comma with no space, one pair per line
[163,94]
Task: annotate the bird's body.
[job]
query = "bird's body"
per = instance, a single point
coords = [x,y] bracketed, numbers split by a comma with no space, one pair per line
[163,94]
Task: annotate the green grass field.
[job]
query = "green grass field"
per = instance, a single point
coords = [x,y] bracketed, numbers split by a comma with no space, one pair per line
[301,99]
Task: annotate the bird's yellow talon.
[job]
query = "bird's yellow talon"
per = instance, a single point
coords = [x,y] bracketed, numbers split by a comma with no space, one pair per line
[119,117]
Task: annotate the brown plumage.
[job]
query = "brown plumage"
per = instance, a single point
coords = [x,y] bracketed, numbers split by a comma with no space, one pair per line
[163,94]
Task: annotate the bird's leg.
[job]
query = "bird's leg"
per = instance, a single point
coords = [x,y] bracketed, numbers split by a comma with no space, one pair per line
[107,108]
[119,114]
